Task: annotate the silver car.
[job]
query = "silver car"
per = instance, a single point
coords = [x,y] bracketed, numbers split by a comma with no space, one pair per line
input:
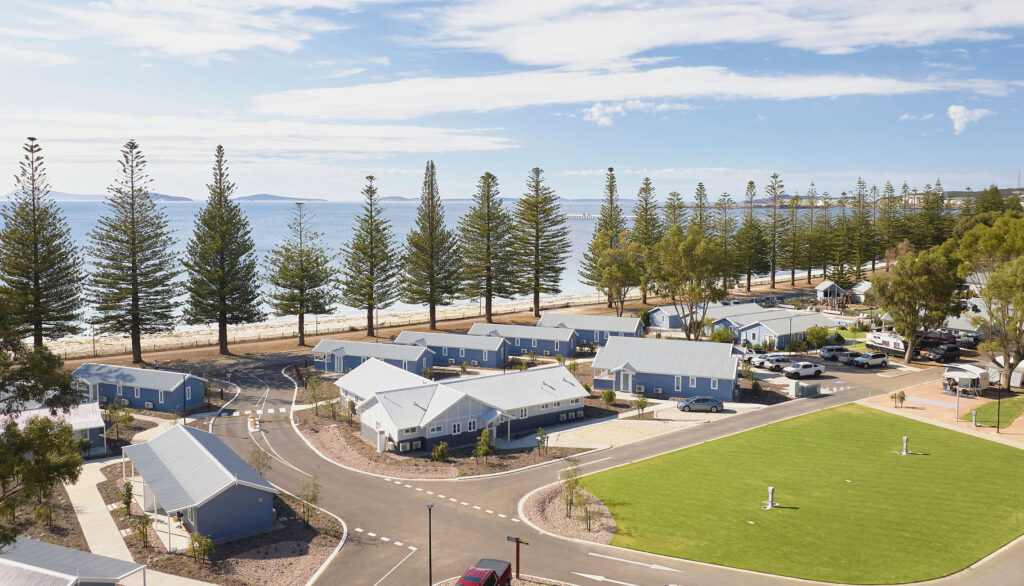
[700,403]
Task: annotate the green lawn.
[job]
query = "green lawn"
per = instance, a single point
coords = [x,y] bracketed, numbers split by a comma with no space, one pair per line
[1010,410]
[855,511]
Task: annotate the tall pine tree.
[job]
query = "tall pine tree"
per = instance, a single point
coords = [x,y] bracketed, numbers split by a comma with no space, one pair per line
[647,231]
[724,234]
[793,239]
[431,253]
[302,273]
[889,225]
[372,260]
[842,253]
[132,283]
[775,225]
[40,267]
[611,222]
[222,269]
[701,210]
[674,212]
[541,240]
[809,226]
[861,231]
[485,232]
[751,243]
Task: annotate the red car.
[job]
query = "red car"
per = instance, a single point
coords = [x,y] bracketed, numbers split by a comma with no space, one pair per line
[487,572]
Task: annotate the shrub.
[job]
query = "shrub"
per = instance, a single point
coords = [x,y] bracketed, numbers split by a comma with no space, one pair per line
[723,335]
[428,373]
[126,498]
[842,328]
[836,339]
[199,547]
[769,345]
[464,367]
[586,386]
[657,335]
[608,396]
[484,445]
[645,317]
[560,359]
[817,336]
[897,398]
[756,387]
[796,346]
[440,452]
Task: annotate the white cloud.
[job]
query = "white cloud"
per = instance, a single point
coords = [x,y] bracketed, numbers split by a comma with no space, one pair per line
[603,114]
[485,93]
[345,73]
[585,34]
[19,54]
[961,115]
[908,116]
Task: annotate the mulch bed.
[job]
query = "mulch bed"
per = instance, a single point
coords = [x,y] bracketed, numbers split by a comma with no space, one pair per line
[595,408]
[288,556]
[120,436]
[546,509]
[342,442]
[64,528]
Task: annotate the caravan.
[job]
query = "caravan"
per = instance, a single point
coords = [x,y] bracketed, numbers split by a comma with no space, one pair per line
[969,377]
[892,344]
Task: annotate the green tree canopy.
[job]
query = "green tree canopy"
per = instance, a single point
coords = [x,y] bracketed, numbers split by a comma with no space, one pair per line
[751,242]
[647,231]
[674,212]
[372,260]
[689,272]
[488,259]
[619,260]
[540,239]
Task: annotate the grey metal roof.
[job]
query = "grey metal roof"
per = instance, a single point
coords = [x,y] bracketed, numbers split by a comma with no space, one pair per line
[763,315]
[861,287]
[127,376]
[798,323]
[522,332]
[374,376]
[450,340]
[417,406]
[371,349]
[580,321]
[719,311]
[185,467]
[826,284]
[54,564]
[81,416]
[672,357]
[517,390]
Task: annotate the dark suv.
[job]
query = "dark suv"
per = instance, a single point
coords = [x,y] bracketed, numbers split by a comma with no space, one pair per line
[944,353]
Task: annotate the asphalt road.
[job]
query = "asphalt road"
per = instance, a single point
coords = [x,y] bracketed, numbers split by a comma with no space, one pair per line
[387,519]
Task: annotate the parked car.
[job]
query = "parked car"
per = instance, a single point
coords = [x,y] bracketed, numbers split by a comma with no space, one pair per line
[831,352]
[966,340]
[802,369]
[776,363]
[487,572]
[745,354]
[872,359]
[944,353]
[848,356]
[760,359]
[700,403]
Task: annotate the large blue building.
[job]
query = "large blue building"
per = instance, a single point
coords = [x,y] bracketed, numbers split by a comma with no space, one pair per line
[139,388]
[344,355]
[594,330]
[192,473]
[455,349]
[526,339]
[781,330]
[666,368]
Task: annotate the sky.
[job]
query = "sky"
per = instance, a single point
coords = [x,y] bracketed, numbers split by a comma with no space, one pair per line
[310,96]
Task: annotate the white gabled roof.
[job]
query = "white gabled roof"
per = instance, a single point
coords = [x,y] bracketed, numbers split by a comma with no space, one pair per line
[517,390]
[417,406]
[81,416]
[824,285]
[799,323]
[717,311]
[527,332]
[747,319]
[28,562]
[160,380]
[371,349]
[375,376]
[580,321]
[671,357]
[450,340]
[861,287]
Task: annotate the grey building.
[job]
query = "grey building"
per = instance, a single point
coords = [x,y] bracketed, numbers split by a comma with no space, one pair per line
[345,355]
[140,388]
[193,473]
[28,562]
[675,368]
[453,349]
[85,420]
[374,376]
[543,341]
[594,329]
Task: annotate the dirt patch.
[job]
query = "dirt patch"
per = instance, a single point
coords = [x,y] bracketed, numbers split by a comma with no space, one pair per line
[119,436]
[342,442]
[289,556]
[546,509]
[63,527]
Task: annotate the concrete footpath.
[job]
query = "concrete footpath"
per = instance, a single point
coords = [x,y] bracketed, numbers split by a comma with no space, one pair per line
[102,533]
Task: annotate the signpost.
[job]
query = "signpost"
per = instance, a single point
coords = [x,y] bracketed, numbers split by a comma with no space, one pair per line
[517,541]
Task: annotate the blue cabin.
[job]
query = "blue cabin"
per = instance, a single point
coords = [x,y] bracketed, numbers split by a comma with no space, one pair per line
[737,323]
[85,419]
[594,330]
[344,355]
[666,368]
[783,330]
[194,474]
[665,317]
[455,349]
[140,388]
[526,339]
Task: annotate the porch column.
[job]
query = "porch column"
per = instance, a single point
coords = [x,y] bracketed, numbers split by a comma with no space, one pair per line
[168,513]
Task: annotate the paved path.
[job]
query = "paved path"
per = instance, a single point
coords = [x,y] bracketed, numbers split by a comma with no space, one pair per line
[148,434]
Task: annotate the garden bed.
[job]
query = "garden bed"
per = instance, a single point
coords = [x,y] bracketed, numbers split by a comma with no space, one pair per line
[120,436]
[342,442]
[546,509]
[63,528]
[288,556]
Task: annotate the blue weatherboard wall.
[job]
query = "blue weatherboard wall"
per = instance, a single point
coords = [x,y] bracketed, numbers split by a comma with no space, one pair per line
[650,381]
[236,511]
[666,319]
[349,362]
[493,360]
[599,338]
[566,349]
[174,401]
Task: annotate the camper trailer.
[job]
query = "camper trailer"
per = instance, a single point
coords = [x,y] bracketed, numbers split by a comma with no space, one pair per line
[891,344]
[969,377]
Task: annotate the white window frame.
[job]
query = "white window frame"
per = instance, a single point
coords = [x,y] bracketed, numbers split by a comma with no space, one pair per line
[517,342]
[714,383]
[557,403]
[120,390]
[557,346]
[161,397]
[753,336]
[410,430]
[462,352]
[484,355]
[545,406]
[597,336]
[188,393]
[607,335]
[444,350]
[471,425]
[693,382]
[522,413]
[456,428]
[405,365]
[136,392]
[436,430]
[533,343]
[679,383]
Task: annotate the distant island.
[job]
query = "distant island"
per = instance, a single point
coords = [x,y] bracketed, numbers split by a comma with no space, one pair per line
[271,197]
[165,197]
[63,196]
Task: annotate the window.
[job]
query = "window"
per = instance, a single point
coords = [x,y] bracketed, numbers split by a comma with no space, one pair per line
[753,335]
[693,382]
[522,413]
[456,428]
[188,393]
[119,390]
[485,355]
[435,430]
[597,336]
[363,359]
[517,342]
[533,342]
[558,403]
[714,383]
[544,406]
[573,401]
[556,346]
[471,426]
[444,351]
[161,396]
[462,352]
[679,383]
[136,392]
[405,365]
[411,430]
[607,335]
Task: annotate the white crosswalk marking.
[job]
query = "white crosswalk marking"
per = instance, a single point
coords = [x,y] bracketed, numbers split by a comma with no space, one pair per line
[248,412]
[359,529]
[259,412]
[235,414]
[385,539]
[476,507]
[371,534]
[514,520]
[489,512]
[411,548]
[431,492]
[463,503]
[399,543]
[408,485]
[453,500]
[503,516]
[419,490]
[269,411]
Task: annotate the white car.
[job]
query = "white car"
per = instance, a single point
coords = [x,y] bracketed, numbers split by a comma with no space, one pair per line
[761,359]
[776,363]
[802,369]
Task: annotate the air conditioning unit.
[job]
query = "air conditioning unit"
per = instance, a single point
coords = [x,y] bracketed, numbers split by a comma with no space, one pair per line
[579,414]
[561,417]
[525,351]
[572,416]
[125,402]
[403,447]
[451,361]
[149,405]
[657,390]
[547,353]
[474,363]
[639,388]
[417,444]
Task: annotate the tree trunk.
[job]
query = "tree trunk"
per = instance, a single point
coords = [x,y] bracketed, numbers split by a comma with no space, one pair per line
[748,282]
[872,265]
[771,277]
[433,315]
[643,296]
[536,302]
[37,335]
[302,329]
[136,337]
[487,309]
[370,330]
[609,304]
[809,271]
[222,334]
[792,277]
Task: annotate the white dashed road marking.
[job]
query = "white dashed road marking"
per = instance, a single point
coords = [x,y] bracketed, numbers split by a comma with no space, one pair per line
[489,512]
[385,539]
[503,516]
[372,534]
[399,543]
[411,548]
[359,529]
[476,507]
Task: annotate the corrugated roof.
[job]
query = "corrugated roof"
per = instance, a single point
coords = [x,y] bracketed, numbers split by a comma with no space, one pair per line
[861,287]
[579,321]
[799,323]
[127,376]
[672,357]
[516,331]
[517,390]
[746,319]
[417,406]
[371,349]
[64,565]
[185,467]
[81,416]
[375,376]
[824,285]
[450,340]
[719,311]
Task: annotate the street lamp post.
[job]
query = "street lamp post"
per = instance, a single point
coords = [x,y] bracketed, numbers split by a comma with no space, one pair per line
[430,545]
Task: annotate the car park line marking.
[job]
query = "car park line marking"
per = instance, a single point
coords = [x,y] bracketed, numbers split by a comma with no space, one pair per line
[412,548]
[597,578]
[503,515]
[382,578]
[385,539]
[359,529]
[489,512]
[652,566]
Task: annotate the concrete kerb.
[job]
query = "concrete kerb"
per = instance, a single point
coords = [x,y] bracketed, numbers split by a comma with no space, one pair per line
[967,431]
[334,554]
[295,426]
[238,390]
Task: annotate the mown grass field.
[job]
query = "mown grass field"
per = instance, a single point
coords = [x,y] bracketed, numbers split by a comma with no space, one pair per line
[853,511]
[1010,410]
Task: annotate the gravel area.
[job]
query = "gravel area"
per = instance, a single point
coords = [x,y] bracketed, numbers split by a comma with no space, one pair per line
[63,529]
[546,510]
[285,563]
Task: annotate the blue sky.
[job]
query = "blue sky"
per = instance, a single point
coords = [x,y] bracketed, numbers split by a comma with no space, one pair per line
[309,96]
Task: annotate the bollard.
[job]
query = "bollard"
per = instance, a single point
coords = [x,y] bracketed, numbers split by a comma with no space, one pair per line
[904,446]
[974,418]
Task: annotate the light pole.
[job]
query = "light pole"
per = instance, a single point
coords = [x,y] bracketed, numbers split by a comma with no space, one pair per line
[430,545]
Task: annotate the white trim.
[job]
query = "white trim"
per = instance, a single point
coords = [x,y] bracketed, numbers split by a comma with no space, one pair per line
[693,382]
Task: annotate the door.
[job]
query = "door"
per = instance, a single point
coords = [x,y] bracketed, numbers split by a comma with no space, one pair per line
[627,382]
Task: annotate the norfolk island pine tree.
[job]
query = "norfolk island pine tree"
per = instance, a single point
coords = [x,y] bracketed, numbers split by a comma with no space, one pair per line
[610,221]
[222,269]
[302,273]
[431,262]
[775,225]
[372,260]
[540,239]
[132,283]
[647,231]
[487,259]
[40,267]
[751,243]
[673,212]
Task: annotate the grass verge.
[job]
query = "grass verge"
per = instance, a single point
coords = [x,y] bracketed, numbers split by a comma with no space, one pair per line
[1008,412]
